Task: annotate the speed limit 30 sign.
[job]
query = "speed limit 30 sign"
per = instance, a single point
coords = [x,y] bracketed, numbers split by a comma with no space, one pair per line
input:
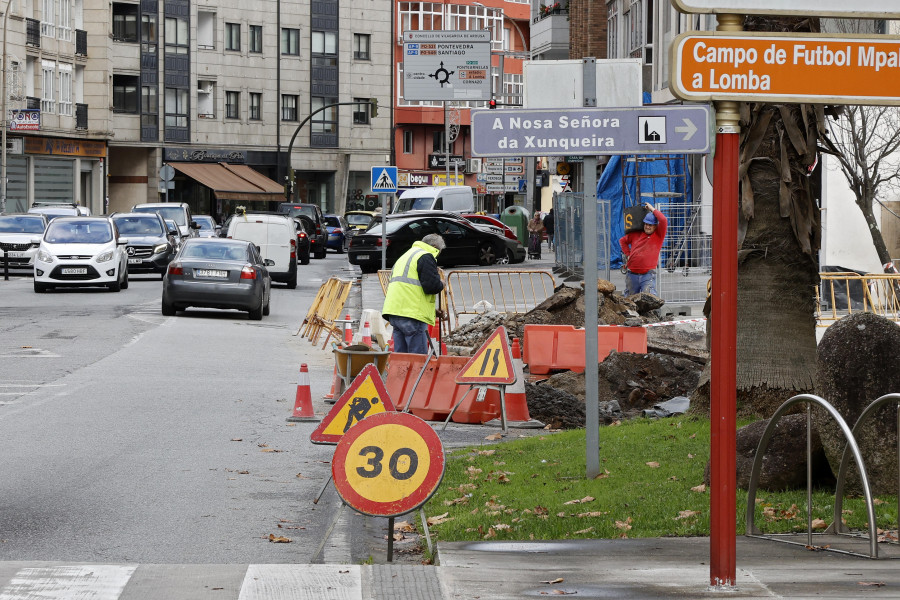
[388,464]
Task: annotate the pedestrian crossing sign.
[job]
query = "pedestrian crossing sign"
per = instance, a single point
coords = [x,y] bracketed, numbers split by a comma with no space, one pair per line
[384,180]
[365,397]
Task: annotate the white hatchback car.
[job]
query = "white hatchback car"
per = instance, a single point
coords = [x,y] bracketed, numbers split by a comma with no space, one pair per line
[81,251]
[16,236]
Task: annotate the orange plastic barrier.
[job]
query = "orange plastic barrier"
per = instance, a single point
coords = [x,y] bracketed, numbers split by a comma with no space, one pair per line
[437,392]
[549,347]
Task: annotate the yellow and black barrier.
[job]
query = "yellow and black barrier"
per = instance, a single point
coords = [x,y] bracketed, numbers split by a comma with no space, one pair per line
[325,309]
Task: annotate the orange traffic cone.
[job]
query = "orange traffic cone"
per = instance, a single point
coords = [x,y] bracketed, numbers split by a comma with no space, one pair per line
[516,404]
[303,410]
[366,334]
[334,381]
[348,331]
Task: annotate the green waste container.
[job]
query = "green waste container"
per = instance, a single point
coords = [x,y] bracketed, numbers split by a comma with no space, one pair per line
[516,219]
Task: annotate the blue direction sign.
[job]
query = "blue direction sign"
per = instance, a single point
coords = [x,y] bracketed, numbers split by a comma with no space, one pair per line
[591,131]
[384,180]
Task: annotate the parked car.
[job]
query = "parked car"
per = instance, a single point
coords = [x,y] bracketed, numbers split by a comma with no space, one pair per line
[208,226]
[151,244]
[17,232]
[179,212]
[276,238]
[359,220]
[488,220]
[59,210]
[218,273]
[81,251]
[319,240]
[338,233]
[466,244]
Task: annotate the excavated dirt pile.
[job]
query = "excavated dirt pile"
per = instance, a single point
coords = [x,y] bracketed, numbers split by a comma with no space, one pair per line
[628,383]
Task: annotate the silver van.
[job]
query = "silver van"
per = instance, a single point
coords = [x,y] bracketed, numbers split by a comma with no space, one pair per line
[454,198]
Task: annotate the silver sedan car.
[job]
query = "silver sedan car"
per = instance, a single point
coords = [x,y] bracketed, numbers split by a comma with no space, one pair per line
[217,273]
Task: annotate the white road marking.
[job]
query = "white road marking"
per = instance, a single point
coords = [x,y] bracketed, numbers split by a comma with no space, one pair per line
[85,582]
[301,582]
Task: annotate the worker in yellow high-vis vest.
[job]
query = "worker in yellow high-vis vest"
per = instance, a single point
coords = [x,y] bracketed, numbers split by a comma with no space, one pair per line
[409,303]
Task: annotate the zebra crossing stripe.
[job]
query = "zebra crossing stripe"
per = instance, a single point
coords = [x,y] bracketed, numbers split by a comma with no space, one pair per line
[85,582]
[301,582]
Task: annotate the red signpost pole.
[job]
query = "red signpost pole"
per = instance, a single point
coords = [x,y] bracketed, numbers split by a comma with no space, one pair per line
[723,348]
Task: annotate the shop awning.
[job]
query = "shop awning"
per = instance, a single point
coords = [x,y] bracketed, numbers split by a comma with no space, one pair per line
[232,182]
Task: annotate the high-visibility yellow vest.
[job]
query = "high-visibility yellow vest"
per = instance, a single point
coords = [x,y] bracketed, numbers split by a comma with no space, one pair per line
[405,297]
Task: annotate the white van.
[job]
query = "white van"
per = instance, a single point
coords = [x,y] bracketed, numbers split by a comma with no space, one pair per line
[274,236]
[454,198]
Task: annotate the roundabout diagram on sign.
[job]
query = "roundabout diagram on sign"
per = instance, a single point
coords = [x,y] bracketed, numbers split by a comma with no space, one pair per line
[388,464]
[442,75]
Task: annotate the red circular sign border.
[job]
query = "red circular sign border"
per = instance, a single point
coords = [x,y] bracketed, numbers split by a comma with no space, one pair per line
[389,509]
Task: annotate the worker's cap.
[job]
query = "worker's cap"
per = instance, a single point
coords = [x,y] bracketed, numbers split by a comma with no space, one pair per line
[650,219]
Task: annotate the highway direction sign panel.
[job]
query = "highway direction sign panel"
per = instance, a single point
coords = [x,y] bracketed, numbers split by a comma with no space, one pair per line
[853,9]
[388,465]
[447,65]
[591,131]
[766,67]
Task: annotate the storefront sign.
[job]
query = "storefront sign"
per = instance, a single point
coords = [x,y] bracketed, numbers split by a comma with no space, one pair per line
[25,120]
[439,161]
[424,179]
[207,155]
[62,147]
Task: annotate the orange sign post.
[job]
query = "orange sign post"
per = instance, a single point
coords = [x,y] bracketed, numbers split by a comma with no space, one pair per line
[767,67]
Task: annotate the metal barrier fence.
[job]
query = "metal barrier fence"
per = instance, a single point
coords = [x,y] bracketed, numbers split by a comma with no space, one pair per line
[325,309]
[384,278]
[508,290]
[568,235]
[842,294]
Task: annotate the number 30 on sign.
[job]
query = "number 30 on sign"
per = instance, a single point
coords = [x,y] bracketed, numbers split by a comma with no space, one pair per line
[388,464]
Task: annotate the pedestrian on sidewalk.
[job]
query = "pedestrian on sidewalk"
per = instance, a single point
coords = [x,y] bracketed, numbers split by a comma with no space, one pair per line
[548,226]
[640,250]
[409,304]
[535,235]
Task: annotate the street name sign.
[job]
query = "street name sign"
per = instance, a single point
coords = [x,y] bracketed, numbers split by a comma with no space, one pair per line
[855,9]
[668,129]
[767,67]
[447,65]
[388,464]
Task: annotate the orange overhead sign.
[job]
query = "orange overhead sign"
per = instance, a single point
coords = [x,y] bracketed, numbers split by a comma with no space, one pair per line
[766,67]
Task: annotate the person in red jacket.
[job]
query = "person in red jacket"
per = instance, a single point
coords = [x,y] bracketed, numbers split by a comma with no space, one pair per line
[640,250]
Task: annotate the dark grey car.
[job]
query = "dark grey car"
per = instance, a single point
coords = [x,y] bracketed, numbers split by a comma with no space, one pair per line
[218,273]
[151,245]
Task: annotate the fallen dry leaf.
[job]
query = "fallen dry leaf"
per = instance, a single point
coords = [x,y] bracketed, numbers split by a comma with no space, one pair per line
[560,514]
[877,502]
[596,513]
[461,500]
[686,514]
[871,583]
[494,436]
[625,525]
[653,464]
[819,524]
[581,501]
[490,534]
[270,450]
[437,520]
[580,531]
[557,580]
[486,452]
[301,476]
[237,439]
[501,526]
[399,537]
[603,475]
[403,526]
[279,539]
[699,489]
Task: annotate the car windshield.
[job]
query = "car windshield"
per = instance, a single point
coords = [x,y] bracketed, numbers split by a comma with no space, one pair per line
[21,224]
[176,213]
[405,204]
[392,226]
[332,222]
[52,213]
[296,210]
[214,250]
[205,223]
[358,219]
[138,226]
[79,232]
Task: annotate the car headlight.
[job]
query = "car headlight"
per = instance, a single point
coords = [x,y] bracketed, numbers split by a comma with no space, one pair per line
[160,248]
[105,257]
[44,256]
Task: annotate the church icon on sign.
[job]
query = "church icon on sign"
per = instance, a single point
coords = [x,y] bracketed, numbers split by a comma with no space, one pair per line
[652,130]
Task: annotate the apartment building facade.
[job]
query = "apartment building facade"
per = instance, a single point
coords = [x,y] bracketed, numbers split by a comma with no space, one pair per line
[107,93]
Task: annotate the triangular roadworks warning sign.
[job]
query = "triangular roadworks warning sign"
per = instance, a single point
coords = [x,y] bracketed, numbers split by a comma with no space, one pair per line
[365,397]
[492,364]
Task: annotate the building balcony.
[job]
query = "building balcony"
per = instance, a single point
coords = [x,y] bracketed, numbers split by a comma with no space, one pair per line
[550,36]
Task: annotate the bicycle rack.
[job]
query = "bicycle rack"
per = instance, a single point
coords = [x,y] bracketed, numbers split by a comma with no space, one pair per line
[809,399]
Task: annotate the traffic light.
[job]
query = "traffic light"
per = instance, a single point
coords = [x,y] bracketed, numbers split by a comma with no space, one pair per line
[492,103]
[373,107]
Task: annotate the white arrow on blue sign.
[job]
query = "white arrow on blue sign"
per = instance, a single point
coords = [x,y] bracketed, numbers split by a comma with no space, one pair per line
[384,180]
[591,131]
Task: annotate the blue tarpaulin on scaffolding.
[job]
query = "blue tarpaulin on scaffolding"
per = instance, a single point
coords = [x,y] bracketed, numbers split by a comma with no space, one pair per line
[610,188]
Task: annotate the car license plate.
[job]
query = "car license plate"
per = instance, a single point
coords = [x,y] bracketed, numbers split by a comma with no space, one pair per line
[362,257]
[210,273]
[135,261]
[75,271]
[16,254]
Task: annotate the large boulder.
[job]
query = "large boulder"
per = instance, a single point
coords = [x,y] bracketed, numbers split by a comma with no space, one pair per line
[784,463]
[856,364]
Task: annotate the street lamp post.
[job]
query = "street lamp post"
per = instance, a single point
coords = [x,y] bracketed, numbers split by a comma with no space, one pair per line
[3,119]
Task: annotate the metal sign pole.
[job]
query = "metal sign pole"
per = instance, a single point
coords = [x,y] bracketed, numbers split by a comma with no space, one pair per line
[383,231]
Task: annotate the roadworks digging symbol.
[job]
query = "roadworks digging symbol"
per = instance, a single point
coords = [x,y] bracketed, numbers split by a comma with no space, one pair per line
[491,364]
[365,397]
